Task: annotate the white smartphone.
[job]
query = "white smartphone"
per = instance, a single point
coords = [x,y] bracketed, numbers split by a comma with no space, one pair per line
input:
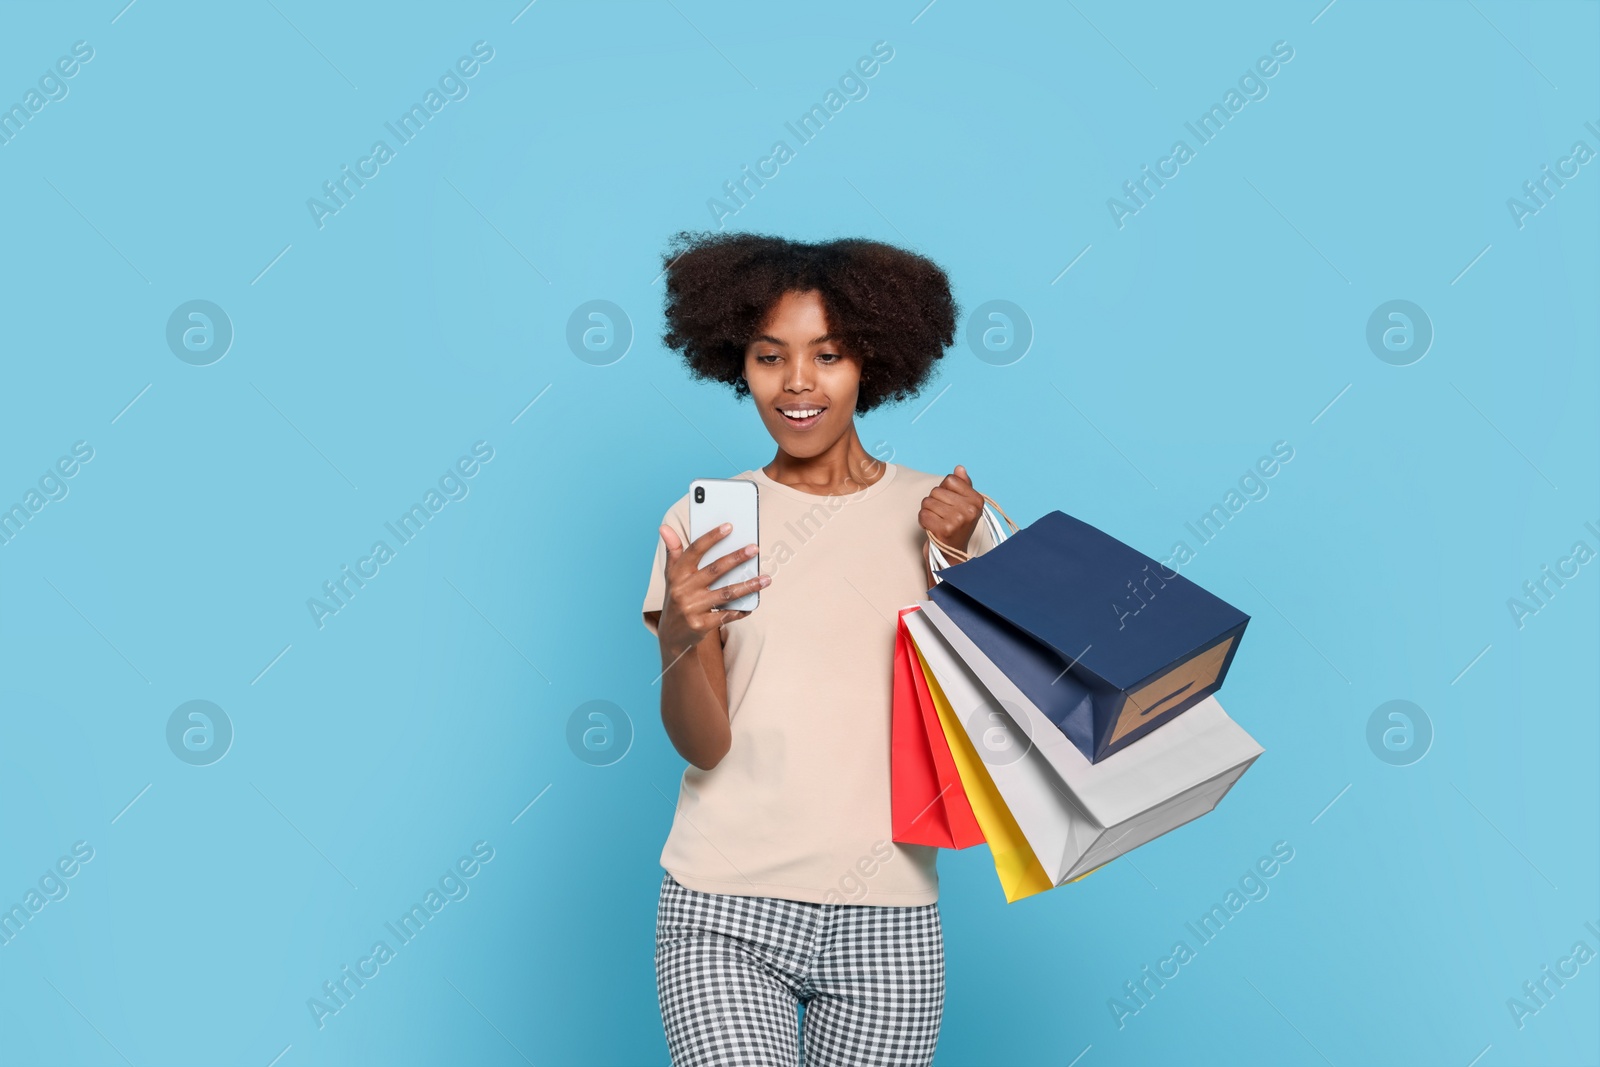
[714,501]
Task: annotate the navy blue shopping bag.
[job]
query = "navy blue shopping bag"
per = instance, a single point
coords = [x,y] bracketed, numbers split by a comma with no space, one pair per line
[1106,642]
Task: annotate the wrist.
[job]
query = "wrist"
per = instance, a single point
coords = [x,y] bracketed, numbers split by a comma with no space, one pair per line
[674,649]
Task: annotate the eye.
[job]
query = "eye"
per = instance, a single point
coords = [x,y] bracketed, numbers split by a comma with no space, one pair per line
[830,357]
[765,356]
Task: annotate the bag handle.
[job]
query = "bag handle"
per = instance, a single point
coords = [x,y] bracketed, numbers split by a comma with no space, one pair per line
[941,555]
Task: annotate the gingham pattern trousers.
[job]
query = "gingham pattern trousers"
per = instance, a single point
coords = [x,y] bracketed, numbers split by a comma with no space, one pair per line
[732,971]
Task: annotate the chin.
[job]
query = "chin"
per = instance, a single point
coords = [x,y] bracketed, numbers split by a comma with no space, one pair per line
[814,439]
[809,448]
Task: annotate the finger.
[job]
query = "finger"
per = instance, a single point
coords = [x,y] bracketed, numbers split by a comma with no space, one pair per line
[697,548]
[957,493]
[956,497]
[952,484]
[961,472]
[715,597]
[938,522]
[737,589]
[958,509]
[706,575]
[946,522]
[723,564]
[753,585]
[711,536]
[670,537]
[954,516]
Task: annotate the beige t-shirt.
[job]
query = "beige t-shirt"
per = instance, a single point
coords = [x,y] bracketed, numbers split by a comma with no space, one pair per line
[799,806]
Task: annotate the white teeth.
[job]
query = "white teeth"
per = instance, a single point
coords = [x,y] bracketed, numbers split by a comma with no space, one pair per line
[801,413]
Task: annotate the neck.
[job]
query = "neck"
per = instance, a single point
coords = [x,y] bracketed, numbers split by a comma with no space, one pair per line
[845,467]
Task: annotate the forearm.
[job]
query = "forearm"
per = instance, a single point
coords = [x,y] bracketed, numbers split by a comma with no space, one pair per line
[694,714]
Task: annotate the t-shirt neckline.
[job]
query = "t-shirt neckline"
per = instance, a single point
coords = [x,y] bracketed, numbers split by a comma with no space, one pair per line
[766,481]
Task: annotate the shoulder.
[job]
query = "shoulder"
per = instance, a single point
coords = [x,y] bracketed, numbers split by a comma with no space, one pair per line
[911,480]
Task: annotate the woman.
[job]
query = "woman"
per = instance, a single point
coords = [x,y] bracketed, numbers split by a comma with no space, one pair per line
[783,887]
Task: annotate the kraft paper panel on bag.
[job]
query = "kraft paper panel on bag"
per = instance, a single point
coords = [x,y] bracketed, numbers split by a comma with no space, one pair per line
[927,803]
[1106,643]
[1077,815]
[1018,868]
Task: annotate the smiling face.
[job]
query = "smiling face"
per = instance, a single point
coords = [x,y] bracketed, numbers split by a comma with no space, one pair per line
[795,368]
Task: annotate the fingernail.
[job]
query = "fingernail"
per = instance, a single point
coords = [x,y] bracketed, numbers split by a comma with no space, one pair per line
[766,579]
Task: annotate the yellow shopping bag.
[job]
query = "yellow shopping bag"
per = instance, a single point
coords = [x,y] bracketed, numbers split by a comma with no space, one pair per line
[1021,873]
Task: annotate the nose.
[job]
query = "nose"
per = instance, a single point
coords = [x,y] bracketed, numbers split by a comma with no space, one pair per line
[797,379]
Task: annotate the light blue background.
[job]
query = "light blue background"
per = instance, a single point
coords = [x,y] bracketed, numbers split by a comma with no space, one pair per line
[428,314]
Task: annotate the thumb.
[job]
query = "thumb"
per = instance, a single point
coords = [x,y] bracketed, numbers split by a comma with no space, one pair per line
[669,538]
[962,472]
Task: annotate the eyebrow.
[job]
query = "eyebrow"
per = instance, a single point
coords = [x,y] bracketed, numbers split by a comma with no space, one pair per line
[784,344]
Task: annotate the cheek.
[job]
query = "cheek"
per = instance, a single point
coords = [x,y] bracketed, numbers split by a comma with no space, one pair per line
[844,384]
[763,384]
[843,381]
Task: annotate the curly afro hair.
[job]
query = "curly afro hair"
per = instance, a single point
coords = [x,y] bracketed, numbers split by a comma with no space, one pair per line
[890,307]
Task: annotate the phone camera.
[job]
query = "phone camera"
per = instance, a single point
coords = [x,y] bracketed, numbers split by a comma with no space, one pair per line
[699,494]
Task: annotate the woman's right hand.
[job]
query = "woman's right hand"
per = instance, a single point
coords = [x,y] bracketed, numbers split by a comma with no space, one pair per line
[689,609]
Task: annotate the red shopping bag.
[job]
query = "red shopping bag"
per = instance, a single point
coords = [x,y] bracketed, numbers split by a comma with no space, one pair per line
[927,805]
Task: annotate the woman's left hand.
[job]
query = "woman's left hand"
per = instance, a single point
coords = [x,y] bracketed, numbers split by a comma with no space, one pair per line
[952,511]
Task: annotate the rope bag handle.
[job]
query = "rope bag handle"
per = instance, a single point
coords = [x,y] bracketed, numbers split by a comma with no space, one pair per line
[941,555]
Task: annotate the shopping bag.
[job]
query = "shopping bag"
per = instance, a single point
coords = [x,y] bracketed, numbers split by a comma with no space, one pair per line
[1021,874]
[927,803]
[1100,639]
[1076,815]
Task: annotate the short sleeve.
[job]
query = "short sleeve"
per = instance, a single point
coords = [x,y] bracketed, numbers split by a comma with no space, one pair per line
[655,594]
[981,541]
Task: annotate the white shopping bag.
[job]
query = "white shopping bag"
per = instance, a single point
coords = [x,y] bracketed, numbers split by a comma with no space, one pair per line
[1075,814]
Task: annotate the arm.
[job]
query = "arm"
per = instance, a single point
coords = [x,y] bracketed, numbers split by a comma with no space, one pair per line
[951,512]
[694,700]
[694,688]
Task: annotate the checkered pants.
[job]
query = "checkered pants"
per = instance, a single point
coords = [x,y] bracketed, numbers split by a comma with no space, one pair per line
[732,970]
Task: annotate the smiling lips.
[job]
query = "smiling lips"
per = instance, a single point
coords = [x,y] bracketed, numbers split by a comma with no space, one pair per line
[802,418]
